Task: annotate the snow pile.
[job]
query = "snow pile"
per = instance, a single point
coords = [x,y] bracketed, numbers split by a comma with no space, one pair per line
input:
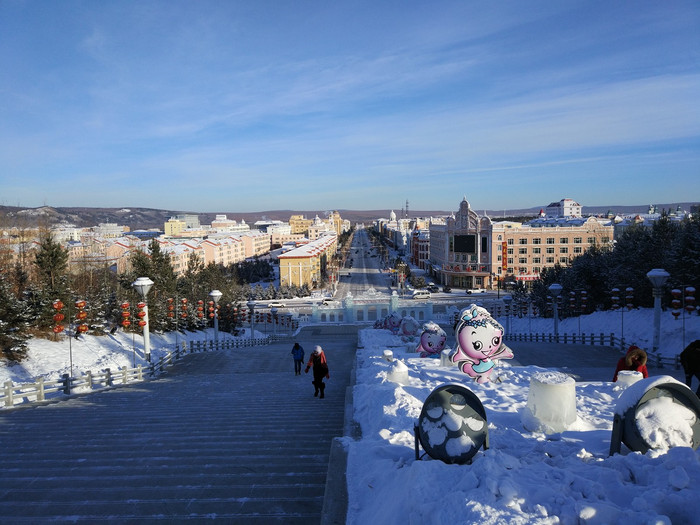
[524,477]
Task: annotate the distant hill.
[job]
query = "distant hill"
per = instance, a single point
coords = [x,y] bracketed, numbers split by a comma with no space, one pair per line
[151,218]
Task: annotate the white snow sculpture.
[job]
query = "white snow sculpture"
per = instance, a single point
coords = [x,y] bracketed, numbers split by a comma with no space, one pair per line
[626,378]
[398,372]
[551,403]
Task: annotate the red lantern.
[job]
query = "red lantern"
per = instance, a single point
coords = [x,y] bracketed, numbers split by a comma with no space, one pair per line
[82,328]
[183,315]
[676,303]
[171,314]
[58,316]
[126,323]
[615,298]
[81,315]
[211,316]
[141,314]
[126,314]
[142,323]
[125,305]
[80,304]
[141,305]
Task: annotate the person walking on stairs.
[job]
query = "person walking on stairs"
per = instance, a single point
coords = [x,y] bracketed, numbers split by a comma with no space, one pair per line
[298,355]
[320,370]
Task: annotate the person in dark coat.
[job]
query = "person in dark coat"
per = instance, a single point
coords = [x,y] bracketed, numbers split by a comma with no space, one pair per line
[320,366]
[635,359]
[690,360]
[298,355]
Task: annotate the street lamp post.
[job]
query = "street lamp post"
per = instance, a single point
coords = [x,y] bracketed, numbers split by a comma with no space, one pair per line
[215,296]
[555,291]
[143,285]
[251,308]
[658,278]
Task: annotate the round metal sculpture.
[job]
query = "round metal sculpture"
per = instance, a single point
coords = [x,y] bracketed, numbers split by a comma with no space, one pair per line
[675,410]
[452,425]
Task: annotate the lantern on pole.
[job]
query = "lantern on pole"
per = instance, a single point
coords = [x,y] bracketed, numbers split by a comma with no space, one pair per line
[200,309]
[183,308]
[80,317]
[141,314]
[689,299]
[572,302]
[615,298]
[58,316]
[629,297]
[171,308]
[125,314]
[676,303]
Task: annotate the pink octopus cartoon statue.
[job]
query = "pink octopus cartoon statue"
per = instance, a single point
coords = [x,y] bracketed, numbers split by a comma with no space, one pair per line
[432,340]
[408,328]
[479,343]
[392,322]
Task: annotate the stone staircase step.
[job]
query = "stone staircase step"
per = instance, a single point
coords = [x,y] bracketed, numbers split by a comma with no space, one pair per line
[232,436]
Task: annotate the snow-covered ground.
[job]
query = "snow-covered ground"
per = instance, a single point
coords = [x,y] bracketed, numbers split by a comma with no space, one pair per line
[524,477]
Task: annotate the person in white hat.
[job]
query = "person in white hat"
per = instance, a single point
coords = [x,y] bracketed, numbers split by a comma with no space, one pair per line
[320,366]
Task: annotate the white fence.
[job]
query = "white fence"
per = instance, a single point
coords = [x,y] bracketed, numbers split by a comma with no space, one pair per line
[41,390]
[601,339]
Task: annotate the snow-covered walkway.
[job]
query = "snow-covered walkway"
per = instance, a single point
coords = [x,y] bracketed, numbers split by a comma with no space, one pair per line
[231,435]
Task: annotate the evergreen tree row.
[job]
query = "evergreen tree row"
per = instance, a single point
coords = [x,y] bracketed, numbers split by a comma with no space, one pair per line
[27,293]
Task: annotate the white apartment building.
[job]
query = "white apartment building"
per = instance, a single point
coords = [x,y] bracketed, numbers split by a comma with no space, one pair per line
[567,208]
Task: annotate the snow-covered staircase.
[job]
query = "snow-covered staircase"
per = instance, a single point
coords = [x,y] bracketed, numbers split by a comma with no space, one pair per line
[232,436]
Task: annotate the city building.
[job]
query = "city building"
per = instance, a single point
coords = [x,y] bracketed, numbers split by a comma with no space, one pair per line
[191,220]
[223,251]
[256,243]
[564,208]
[319,227]
[461,248]
[420,248]
[307,264]
[522,251]
[300,224]
[222,224]
[173,227]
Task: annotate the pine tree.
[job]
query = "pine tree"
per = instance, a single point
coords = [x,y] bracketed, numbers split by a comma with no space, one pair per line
[52,264]
[13,322]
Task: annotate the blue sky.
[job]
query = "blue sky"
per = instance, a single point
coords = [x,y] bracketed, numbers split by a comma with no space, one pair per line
[256,105]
